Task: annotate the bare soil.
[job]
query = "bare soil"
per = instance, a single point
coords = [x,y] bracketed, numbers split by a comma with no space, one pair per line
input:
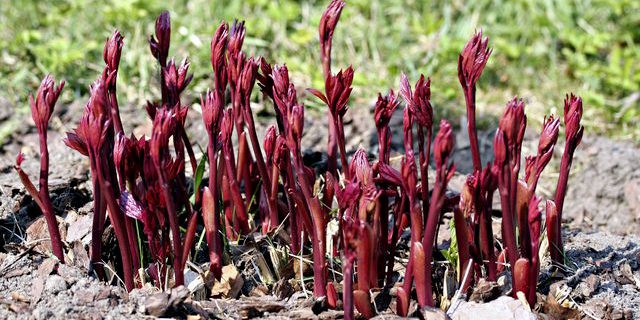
[602,215]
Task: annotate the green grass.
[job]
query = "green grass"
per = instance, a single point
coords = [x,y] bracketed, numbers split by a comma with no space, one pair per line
[542,49]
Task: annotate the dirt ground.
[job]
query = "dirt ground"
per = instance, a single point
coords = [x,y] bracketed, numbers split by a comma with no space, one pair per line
[602,213]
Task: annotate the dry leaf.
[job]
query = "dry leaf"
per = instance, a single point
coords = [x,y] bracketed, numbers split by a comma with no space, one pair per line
[38,233]
[230,283]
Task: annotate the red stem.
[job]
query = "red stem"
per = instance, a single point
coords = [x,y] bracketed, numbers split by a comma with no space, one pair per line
[470,100]
[115,112]
[398,215]
[262,168]
[97,227]
[115,215]
[433,219]
[424,166]
[47,206]
[319,232]
[461,226]
[347,291]
[213,237]
[508,229]
[557,247]
[486,239]
[343,153]
[133,242]
[240,207]
[173,224]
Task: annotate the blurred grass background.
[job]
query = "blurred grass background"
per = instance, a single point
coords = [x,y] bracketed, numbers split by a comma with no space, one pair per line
[542,49]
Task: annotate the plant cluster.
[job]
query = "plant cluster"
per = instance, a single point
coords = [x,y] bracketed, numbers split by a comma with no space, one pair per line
[265,186]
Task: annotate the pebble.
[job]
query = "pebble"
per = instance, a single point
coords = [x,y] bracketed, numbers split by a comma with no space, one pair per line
[502,308]
[55,284]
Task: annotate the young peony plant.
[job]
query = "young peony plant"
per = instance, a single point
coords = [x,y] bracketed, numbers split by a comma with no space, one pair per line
[266,186]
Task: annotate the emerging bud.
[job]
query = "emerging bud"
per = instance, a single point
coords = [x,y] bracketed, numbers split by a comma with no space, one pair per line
[95,123]
[212,108]
[422,102]
[467,196]
[120,150]
[265,81]
[270,142]
[535,164]
[151,109]
[549,134]
[160,43]
[226,127]
[328,23]
[473,59]
[488,178]
[530,167]
[236,38]
[513,122]
[177,78]
[284,92]
[444,142]
[281,152]
[389,174]
[19,159]
[164,126]
[409,173]
[572,117]
[385,106]
[247,79]
[113,50]
[360,168]
[419,101]
[219,48]
[44,102]
[499,149]
[296,125]
[338,89]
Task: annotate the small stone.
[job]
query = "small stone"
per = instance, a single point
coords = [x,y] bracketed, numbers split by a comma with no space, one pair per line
[283,289]
[157,304]
[632,196]
[79,228]
[178,296]
[46,267]
[433,314]
[624,275]
[504,281]
[617,314]
[42,313]
[628,314]
[390,317]
[485,291]
[319,305]
[85,296]
[55,284]
[80,255]
[501,308]
[103,294]
[590,285]
[70,274]
[259,291]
